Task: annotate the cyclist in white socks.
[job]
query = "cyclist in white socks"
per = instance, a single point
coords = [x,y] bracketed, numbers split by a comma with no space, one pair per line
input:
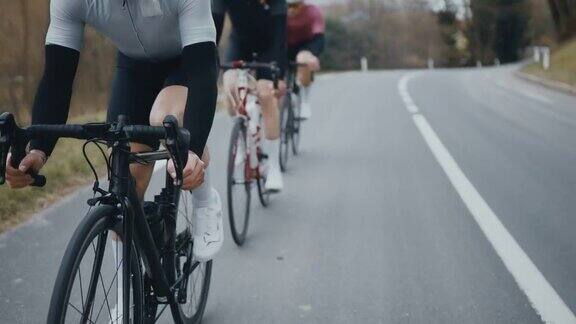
[258,27]
[305,44]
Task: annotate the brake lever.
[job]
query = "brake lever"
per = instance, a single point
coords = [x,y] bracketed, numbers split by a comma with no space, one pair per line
[6,131]
[12,137]
[4,147]
[170,124]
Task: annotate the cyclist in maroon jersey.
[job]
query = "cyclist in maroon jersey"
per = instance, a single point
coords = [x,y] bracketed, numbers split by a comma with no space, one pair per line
[305,43]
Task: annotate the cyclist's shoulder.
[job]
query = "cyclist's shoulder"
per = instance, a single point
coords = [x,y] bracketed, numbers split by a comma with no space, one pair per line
[313,10]
[73,9]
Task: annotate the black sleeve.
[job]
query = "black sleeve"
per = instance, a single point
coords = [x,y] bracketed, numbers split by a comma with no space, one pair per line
[201,67]
[52,101]
[280,39]
[316,45]
[219,23]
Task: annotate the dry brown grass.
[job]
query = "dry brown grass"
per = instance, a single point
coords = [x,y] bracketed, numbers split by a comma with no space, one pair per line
[562,67]
[65,172]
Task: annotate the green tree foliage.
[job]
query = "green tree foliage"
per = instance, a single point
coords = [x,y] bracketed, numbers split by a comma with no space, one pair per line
[389,35]
[499,29]
[456,51]
[564,14]
[341,53]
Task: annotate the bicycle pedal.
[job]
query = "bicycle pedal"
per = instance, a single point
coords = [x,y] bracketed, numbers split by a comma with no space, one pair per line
[263,156]
[161,300]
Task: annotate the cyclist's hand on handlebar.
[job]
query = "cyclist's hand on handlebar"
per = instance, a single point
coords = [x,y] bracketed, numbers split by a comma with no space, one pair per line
[193,172]
[20,177]
[281,91]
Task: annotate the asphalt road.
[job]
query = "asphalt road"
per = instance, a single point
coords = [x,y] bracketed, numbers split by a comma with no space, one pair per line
[420,197]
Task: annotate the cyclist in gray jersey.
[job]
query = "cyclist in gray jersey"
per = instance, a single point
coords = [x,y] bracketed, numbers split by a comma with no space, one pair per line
[167,64]
[150,30]
[258,27]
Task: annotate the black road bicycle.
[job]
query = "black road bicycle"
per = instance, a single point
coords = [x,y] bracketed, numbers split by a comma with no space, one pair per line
[157,237]
[290,120]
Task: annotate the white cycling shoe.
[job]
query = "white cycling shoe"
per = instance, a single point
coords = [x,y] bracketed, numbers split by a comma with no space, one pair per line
[274,178]
[305,111]
[208,229]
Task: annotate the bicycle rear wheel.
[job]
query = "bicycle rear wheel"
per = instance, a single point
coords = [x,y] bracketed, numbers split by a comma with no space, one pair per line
[296,123]
[86,289]
[285,132]
[239,184]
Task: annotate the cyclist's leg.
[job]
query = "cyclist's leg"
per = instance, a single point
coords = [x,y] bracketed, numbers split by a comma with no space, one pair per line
[134,89]
[312,65]
[230,85]
[234,52]
[305,78]
[172,101]
[209,230]
[268,99]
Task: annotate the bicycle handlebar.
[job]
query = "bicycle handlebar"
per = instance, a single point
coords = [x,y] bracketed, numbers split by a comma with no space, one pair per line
[15,139]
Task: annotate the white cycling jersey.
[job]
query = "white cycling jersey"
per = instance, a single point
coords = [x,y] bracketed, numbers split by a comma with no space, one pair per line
[142,29]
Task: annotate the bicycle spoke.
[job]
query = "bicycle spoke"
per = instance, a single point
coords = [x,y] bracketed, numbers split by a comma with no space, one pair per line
[98,256]
[81,290]
[108,290]
[79,312]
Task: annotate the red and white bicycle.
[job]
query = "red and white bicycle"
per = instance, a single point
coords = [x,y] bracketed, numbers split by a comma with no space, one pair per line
[246,167]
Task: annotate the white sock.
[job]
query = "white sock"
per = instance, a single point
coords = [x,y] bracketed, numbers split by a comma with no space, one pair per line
[273,149]
[202,195]
[305,93]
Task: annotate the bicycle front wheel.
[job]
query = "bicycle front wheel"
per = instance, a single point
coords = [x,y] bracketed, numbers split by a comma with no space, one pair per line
[239,184]
[193,276]
[87,286]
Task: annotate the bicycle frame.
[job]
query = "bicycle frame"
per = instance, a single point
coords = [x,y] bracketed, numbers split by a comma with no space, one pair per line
[250,112]
[122,194]
[137,230]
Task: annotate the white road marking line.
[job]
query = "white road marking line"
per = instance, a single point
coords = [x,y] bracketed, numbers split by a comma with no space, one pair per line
[403,88]
[524,92]
[544,299]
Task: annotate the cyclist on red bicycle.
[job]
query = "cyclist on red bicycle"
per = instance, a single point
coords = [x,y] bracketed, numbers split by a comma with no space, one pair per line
[305,44]
[258,27]
[166,64]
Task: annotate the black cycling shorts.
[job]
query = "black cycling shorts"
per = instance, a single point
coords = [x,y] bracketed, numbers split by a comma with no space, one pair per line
[294,50]
[251,51]
[136,85]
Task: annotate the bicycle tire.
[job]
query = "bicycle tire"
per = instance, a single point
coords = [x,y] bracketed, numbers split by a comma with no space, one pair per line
[263,195]
[296,124]
[97,223]
[285,133]
[238,136]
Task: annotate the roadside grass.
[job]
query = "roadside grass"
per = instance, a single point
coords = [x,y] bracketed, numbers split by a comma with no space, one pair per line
[65,171]
[562,67]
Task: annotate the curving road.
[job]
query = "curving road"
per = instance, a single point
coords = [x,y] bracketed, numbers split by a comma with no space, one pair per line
[443,196]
